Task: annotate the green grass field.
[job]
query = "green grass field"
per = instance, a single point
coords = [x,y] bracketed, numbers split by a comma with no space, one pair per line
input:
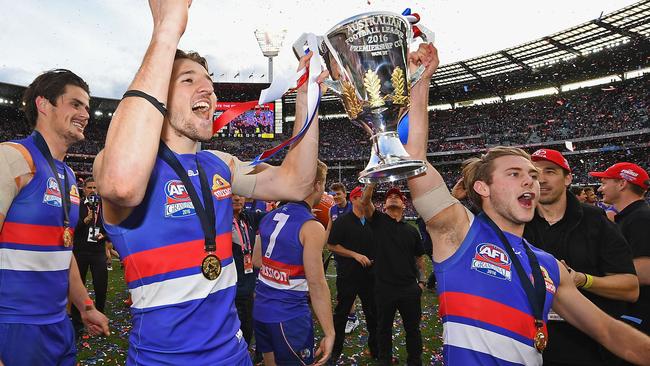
[112,350]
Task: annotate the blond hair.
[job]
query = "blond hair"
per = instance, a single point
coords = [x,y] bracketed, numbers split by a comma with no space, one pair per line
[481,169]
[321,172]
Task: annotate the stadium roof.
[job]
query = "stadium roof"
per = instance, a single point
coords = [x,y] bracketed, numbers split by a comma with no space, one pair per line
[631,23]
[611,30]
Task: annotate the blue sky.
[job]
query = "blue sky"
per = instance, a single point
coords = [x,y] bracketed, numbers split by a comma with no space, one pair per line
[103,41]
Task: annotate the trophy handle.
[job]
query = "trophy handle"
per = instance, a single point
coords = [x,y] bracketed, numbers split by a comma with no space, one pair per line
[299,46]
[334,85]
[427,36]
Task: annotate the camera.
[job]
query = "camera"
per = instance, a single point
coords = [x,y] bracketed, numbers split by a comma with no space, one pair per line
[93,200]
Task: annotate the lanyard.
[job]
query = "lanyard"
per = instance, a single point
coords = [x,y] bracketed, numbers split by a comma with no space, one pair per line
[40,143]
[243,239]
[536,293]
[206,215]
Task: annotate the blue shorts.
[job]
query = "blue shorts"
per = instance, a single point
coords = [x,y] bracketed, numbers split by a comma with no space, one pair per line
[28,344]
[291,341]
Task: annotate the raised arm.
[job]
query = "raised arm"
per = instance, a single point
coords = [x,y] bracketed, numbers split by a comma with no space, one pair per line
[312,235]
[124,167]
[446,219]
[618,337]
[293,179]
[366,201]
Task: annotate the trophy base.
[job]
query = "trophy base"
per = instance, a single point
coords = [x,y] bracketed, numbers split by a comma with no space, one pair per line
[392,171]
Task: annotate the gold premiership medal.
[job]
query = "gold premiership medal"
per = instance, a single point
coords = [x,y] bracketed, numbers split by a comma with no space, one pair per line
[67,237]
[540,340]
[211,267]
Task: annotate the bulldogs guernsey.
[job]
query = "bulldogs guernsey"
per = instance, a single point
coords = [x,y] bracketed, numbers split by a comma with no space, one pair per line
[336,211]
[34,263]
[486,315]
[179,316]
[281,291]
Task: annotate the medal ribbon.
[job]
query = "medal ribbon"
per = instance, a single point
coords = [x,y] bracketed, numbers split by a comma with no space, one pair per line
[206,215]
[40,143]
[536,293]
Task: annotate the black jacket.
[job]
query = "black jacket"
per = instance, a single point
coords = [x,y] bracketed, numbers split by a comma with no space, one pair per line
[592,244]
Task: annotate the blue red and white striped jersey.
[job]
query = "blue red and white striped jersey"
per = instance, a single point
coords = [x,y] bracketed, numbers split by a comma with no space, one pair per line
[34,263]
[336,211]
[487,318]
[281,291]
[179,316]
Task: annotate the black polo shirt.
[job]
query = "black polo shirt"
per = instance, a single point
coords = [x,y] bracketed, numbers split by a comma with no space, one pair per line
[396,245]
[84,234]
[352,233]
[589,243]
[634,221]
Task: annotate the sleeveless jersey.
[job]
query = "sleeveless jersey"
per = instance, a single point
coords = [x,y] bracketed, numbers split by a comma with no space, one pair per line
[34,263]
[281,291]
[179,316]
[487,318]
[336,211]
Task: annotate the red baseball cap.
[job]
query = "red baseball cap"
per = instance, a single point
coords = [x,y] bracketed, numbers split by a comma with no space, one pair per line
[356,192]
[553,156]
[397,191]
[627,171]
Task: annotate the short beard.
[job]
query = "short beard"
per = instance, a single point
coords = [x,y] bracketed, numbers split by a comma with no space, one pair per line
[183,127]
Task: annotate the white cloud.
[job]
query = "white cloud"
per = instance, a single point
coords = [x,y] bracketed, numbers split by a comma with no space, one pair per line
[104,41]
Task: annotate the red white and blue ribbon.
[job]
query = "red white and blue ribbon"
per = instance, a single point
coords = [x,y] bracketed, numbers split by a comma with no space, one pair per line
[413,19]
[280,86]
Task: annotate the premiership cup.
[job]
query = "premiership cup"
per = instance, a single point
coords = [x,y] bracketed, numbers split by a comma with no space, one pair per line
[366,56]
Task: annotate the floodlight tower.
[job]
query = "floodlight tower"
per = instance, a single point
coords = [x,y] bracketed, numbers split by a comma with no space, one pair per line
[270,43]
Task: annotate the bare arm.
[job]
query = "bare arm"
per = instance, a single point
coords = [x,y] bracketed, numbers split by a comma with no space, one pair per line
[312,236]
[618,337]
[642,266]
[620,286]
[132,140]
[257,252]
[292,180]
[96,322]
[419,263]
[16,171]
[342,251]
[366,201]
[449,226]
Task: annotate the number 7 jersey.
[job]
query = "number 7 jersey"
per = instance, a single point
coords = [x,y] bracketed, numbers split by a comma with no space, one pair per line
[281,290]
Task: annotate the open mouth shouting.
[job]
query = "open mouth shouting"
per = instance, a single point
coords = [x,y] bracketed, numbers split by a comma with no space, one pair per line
[526,200]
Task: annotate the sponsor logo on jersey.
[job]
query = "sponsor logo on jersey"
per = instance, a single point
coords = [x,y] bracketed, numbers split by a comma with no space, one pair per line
[52,194]
[550,286]
[177,201]
[74,195]
[220,187]
[492,261]
[274,274]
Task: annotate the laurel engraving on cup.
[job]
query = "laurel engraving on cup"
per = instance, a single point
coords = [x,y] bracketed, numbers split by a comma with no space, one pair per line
[353,106]
[373,88]
[397,78]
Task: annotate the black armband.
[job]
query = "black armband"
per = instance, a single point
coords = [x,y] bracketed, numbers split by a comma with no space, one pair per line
[155,102]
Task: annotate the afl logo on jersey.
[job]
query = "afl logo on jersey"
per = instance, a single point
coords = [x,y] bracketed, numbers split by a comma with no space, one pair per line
[220,187]
[492,261]
[52,194]
[177,201]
